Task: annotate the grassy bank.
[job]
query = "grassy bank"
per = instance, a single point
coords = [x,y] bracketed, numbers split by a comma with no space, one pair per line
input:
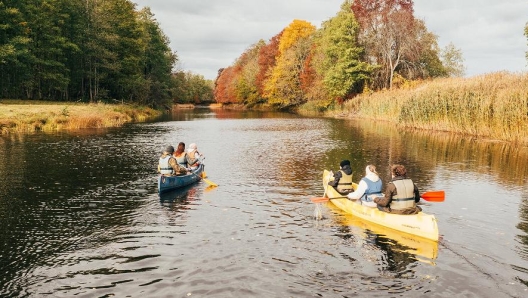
[493,106]
[18,116]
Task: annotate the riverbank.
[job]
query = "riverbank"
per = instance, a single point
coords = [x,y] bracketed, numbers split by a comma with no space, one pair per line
[492,106]
[26,116]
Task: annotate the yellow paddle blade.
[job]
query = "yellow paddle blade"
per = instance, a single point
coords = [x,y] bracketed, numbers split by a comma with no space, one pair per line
[209,182]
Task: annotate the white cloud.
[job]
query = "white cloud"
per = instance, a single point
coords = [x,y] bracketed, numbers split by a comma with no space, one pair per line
[211,34]
[489,33]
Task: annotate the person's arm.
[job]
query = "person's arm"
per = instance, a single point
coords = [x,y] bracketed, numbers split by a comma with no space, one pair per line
[359,192]
[191,161]
[335,182]
[416,194]
[387,199]
[176,167]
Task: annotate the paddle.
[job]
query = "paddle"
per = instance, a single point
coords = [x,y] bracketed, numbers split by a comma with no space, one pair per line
[324,199]
[203,175]
[431,196]
[434,196]
[207,180]
[317,212]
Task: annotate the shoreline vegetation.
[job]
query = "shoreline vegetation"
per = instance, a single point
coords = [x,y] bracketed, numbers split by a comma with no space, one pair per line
[492,106]
[28,116]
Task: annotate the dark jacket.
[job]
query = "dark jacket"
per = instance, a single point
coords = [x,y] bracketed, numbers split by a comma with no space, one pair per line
[337,175]
[390,191]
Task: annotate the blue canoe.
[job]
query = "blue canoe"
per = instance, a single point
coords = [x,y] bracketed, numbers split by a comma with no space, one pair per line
[168,183]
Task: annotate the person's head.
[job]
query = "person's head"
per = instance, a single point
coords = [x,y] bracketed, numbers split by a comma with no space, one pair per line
[344,163]
[181,148]
[371,169]
[398,171]
[193,146]
[168,150]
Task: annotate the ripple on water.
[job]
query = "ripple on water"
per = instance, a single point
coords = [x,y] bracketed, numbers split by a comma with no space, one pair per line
[83,218]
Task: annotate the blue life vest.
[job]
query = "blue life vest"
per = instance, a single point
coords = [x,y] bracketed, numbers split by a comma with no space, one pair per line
[373,189]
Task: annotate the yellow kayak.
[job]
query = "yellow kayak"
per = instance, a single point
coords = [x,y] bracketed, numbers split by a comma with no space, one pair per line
[421,224]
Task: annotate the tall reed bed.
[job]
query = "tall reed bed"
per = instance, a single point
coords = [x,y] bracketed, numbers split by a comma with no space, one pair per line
[31,116]
[493,106]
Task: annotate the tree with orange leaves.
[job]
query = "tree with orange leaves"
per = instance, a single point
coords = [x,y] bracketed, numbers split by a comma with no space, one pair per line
[246,90]
[267,58]
[224,90]
[283,87]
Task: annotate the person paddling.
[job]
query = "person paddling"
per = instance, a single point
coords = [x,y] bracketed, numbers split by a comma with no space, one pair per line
[343,178]
[194,158]
[168,165]
[368,188]
[401,194]
[181,155]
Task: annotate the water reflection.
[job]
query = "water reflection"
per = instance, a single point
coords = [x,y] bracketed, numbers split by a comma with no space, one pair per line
[178,198]
[425,150]
[80,213]
[204,112]
[391,242]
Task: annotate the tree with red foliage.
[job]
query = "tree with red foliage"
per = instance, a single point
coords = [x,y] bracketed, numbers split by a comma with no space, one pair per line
[282,88]
[267,59]
[224,91]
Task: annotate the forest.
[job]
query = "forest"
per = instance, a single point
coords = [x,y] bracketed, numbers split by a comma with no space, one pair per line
[369,45]
[91,51]
[107,51]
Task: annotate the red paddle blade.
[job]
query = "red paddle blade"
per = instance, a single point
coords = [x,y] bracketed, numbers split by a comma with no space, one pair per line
[434,196]
[319,200]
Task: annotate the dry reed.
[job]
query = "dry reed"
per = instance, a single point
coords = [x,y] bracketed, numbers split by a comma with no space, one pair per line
[491,106]
[31,116]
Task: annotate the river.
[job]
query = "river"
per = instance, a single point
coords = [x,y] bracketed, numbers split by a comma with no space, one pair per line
[80,214]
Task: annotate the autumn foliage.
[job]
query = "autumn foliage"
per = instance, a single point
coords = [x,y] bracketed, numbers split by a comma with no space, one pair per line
[368,45]
[266,60]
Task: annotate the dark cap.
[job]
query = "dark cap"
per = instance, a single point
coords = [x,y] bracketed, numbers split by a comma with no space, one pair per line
[344,163]
[169,149]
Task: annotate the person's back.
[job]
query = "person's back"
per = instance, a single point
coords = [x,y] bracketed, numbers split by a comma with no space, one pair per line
[194,157]
[369,187]
[401,194]
[168,165]
[180,155]
[164,167]
[343,178]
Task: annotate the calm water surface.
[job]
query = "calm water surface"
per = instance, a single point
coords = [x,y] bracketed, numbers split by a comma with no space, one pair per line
[80,214]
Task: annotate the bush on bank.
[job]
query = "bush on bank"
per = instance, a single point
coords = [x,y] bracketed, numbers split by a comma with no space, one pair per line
[493,106]
[31,116]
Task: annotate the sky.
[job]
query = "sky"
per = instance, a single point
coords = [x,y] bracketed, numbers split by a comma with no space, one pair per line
[211,34]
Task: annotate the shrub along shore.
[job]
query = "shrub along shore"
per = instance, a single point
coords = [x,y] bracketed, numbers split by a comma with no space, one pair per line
[492,106]
[17,116]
